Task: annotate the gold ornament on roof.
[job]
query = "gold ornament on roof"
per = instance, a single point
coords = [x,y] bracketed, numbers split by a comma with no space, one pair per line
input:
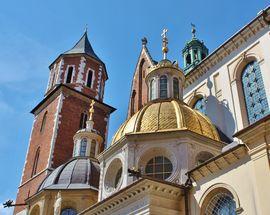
[91,110]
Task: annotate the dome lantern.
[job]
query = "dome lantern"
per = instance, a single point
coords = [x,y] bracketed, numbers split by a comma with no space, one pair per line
[193,52]
[165,79]
[87,141]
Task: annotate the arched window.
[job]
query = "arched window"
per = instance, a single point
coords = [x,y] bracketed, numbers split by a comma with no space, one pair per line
[200,105]
[68,211]
[221,203]
[83,147]
[176,88]
[35,164]
[43,123]
[188,59]
[254,92]
[89,79]
[163,87]
[202,157]
[69,75]
[83,120]
[132,103]
[118,177]
[152,90]
[159,167]
[101,89]
[93,148]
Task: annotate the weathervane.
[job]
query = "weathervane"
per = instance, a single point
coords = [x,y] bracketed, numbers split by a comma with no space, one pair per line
[164,43]
[86,28]
[193,30]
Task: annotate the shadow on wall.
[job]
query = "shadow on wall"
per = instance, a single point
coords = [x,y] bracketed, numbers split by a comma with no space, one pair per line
[219,113]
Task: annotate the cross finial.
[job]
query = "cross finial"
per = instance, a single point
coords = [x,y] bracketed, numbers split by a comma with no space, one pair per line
[164,43]
[193,30]
[164,33]
[86,28]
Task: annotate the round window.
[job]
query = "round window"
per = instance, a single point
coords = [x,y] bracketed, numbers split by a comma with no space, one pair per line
[159,167]
[113,175]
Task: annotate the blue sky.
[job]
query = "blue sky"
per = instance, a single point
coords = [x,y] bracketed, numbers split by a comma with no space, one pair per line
[33,33]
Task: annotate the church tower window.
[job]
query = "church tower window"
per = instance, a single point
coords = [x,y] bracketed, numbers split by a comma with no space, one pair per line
[163,87]
[176,88]
[89,79]
[159,167]
[69,75]
[83,120]
[83,147]
[43,123]
[254,92]
[34,170]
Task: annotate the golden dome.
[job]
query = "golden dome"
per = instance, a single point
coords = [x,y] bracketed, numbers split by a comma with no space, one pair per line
[167,115]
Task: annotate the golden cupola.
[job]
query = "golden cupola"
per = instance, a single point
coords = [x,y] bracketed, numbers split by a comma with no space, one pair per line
[166,110]
[167,115]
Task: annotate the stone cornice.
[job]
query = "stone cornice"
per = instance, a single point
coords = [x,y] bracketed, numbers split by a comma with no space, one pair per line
[181,135]
[141,187]
[232,44]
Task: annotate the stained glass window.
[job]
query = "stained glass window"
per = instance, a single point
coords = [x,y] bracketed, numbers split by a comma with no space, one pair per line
[221,204]
[254,92]
[83,147]
[200,105]
[68,211]
[163,87]
[159,167]
[176,88]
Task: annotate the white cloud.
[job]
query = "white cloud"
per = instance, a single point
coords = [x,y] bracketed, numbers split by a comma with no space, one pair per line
[6,211]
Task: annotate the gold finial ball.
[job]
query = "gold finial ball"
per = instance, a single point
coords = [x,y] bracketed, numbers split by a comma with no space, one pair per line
[165,49]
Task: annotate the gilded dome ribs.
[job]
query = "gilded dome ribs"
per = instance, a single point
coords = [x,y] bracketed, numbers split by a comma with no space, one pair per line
[164,115]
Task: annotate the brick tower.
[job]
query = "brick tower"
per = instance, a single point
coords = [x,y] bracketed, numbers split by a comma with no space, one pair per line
[77,77]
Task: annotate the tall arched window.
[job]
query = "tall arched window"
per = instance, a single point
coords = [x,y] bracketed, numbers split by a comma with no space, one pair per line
[254,92]
[35,164]
[83,147]
[221,203]
[152,90]
[83,120]
[43,123]
[93,148]
[176,88]
[69,75]
[163,92]
[200,105]
[89,79]
[68,211]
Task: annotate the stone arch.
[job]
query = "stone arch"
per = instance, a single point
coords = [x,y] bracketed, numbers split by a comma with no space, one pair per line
[35,210]
[215,189]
